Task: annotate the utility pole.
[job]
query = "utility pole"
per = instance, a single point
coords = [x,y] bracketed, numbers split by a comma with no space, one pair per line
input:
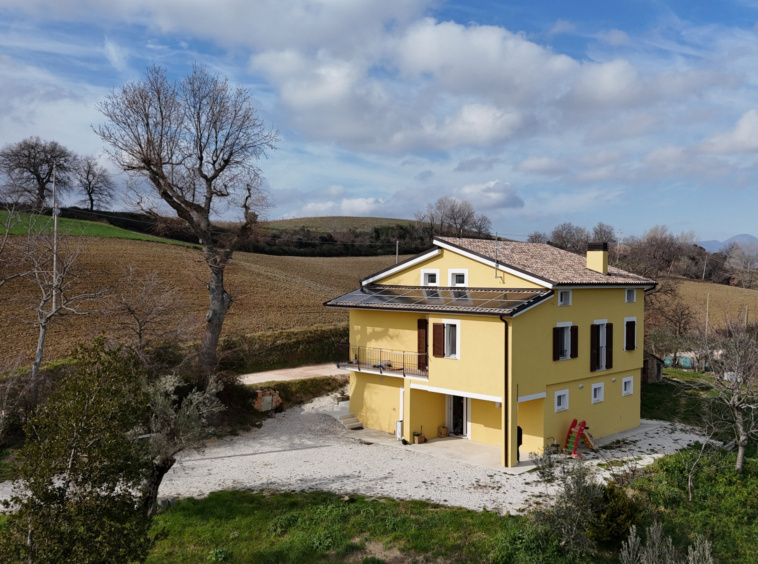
[55,245]
[397,251]
[618,242]
[707,307]
[497,244]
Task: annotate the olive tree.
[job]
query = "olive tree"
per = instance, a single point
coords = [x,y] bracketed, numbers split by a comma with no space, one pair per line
[196,144]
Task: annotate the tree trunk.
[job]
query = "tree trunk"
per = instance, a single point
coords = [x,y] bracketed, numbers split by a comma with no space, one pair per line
[220,301]
[741,441]
[91,202]
[36,365]
[157,472]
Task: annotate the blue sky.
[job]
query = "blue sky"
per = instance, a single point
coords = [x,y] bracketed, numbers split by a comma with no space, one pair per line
[634,113]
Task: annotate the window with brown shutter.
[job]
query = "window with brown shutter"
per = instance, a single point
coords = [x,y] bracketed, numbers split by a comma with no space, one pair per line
[631,334]
[574,341]
[422,328]
[556,343]
[608,345]
[594,346]
[438,339]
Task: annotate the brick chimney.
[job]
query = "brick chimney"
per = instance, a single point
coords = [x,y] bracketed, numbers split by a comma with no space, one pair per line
[597,257]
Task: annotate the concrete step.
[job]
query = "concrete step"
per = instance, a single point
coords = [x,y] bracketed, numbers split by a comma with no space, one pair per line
[350,421]
[353,425]
[345,416]
[345,403]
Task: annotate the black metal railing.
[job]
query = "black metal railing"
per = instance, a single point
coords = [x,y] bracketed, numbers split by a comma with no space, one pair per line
[385,361]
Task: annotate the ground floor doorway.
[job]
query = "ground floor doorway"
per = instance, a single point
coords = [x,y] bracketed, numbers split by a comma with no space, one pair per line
[458,416]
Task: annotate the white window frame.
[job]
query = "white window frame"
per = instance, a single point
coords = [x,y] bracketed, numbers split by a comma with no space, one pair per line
[635,331]
[570,297]
[602,343]
[567,338]
[600,386]
[634,295]
[555,400]
[624,381]
[425,271]
[452,272]
[457,323]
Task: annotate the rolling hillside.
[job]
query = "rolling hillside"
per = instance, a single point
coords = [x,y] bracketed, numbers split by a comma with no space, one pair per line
[269,292]
[724,301]
[334,223]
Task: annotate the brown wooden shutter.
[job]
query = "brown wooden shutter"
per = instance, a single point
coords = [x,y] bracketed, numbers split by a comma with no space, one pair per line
[423,327]
[631,330]
[594,346]
[556,343]
[574,341]
[438,338]
[608,345]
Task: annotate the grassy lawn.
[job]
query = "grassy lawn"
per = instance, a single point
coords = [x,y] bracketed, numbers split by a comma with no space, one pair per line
[285,527]
[85,228]
[678,397]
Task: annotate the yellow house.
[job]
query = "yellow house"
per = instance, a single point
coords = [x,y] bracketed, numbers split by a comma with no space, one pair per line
[486,337]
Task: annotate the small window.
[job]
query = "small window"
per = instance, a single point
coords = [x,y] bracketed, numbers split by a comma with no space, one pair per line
[564,298]
[631,295]
[598,392]
[561,400]
[458,277]
[564,341]
[430,277]
[452,338]
[627,386]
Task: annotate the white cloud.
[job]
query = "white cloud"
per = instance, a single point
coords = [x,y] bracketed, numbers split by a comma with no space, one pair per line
[541,165]
[562,26]
[477,164]
[742,139]
[493,195]
[115,54]
[614,37]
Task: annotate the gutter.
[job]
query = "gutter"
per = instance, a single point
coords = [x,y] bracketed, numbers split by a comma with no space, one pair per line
[506,402]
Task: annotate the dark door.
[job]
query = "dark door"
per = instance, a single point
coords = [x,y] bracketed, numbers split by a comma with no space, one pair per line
[423,343]
[458,415]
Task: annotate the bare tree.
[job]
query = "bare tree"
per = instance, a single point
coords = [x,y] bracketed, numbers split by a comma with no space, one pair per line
[94,182]
[197,143]
[537,237]
[482,225]
[742,264]
[28,166]
[603,233]
[52,270]
[570,237]
[11,265]
[143,304]
[733,357]
[460,216]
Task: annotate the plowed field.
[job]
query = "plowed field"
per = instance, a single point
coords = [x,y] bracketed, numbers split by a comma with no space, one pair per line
[269,293]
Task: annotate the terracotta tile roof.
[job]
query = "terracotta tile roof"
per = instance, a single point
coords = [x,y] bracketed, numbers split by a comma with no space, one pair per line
[545,262]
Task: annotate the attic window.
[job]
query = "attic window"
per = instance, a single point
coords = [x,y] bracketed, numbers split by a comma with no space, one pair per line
[631,295]
[564,298]
[430,277]
[458,277]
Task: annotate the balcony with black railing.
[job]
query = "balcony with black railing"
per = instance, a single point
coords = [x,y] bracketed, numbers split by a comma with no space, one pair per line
[383,361]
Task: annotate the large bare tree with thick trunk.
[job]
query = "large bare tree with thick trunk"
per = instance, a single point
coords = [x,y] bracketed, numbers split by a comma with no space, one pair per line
[28,167]
[197,143]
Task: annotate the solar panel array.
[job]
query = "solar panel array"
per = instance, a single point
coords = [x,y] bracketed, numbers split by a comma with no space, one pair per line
[468,298]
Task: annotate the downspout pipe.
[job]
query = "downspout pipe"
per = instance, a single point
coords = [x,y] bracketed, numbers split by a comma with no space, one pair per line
[506,403]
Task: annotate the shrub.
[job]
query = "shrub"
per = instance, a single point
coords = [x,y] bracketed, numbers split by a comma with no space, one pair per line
[617,513]
[532,546]
[660,548]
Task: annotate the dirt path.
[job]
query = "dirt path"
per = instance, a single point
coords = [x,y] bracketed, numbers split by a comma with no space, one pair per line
[299,373]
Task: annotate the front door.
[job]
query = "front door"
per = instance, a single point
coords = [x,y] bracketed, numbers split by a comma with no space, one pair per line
[458,419]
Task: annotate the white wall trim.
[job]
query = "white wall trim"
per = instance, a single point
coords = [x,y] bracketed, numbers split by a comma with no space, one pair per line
[370,371]
[491,263]
[452,271]
[564,324]
[635,295]
[555,400]
[627,379]
[468,418]
[426,256]
[457,323]
[542,301]
[470,395]
[597,286]
[541,395]
[425,271]
[635,331]
[600,321]
[601,386]
[570,300]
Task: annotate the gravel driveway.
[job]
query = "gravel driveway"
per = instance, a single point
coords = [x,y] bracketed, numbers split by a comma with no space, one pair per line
[305,449]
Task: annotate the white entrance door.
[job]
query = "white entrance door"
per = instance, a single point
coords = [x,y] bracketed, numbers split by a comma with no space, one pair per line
[399,425]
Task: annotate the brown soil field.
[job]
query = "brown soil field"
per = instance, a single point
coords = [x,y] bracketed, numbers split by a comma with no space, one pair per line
[269,293]
[725,301]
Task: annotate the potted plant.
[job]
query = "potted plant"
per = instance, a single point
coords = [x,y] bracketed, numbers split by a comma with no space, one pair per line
[416,438]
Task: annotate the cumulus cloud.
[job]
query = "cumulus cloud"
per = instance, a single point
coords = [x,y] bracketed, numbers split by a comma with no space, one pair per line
[742,139]
[477,164]
[562,26]
[493,195]
[614,37]
[424,176]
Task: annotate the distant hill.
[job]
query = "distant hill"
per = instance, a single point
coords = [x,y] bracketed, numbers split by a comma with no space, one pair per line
[714,246]
[331,224]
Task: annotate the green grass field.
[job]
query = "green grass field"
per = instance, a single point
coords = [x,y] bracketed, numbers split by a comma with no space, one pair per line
[80,227]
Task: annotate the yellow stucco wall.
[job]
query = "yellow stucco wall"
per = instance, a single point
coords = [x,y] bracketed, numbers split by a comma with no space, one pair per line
[427,412]
[486,423]
[392,330]
[614,414]
[531,419]
[375,400]
[479,275]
